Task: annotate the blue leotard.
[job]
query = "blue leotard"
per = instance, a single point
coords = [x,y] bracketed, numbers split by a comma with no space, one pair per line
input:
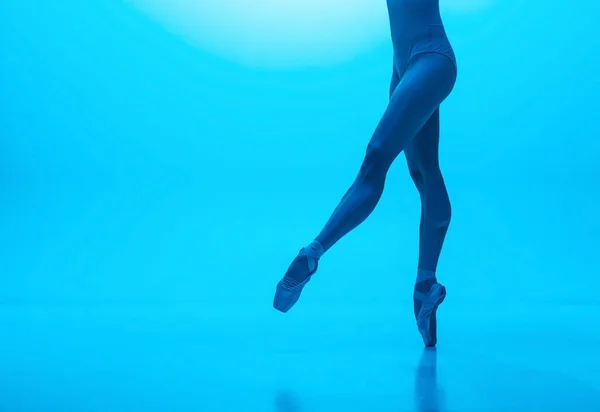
[416,27]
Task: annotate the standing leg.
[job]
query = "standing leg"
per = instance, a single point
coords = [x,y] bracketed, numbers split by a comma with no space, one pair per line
[428,80]
[423,164]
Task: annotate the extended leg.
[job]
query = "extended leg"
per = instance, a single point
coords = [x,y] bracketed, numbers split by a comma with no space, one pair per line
[395,80]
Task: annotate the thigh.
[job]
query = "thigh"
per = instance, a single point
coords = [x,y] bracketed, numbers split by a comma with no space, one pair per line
[422,152]
[428,80]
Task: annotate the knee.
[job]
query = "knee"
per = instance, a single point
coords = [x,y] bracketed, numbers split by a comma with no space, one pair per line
[375,164]
[417,177]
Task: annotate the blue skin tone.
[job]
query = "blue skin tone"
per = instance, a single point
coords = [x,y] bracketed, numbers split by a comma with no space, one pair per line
[424,74]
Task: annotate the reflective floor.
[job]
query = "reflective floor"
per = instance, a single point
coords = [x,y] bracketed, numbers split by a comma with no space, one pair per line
[203,357]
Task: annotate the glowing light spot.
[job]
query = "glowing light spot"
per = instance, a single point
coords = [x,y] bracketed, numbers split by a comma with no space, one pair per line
[281,33]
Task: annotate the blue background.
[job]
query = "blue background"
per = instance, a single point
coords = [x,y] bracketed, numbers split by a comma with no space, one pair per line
[153,195]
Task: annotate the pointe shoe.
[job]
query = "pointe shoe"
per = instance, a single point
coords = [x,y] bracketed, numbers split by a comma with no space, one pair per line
[285,296]
[426,313]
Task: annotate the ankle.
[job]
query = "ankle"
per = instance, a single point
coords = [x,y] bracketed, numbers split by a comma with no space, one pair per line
[425,280]
[314,250]
[425,275]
